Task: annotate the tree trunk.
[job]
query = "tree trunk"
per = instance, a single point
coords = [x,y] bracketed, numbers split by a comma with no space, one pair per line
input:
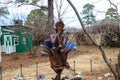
[50,16]
[119,65]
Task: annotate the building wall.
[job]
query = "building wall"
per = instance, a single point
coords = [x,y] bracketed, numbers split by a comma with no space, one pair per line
[17,40]
[25,43]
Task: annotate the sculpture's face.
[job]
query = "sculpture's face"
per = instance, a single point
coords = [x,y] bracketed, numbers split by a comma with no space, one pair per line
[59,28]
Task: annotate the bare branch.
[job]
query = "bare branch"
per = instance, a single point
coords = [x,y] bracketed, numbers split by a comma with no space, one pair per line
[78,16]
[58,11]
[114,6]
[112,3]
[99,46]
[64,10]
[59,7]
[56,5]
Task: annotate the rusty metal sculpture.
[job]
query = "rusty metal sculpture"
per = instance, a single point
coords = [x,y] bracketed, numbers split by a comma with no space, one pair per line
[58,50]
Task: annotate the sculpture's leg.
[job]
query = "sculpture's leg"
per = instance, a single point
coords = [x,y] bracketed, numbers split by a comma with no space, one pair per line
[58,72]
[57,58]
[63,58]
[58,76]
[66,63]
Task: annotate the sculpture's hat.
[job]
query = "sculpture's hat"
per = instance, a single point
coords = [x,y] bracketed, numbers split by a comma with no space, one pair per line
[60,23]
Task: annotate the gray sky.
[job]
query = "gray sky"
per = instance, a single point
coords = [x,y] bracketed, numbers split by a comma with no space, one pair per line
[69,17]
[99,11]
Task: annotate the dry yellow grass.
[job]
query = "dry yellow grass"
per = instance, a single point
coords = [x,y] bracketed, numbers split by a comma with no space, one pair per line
[82,64]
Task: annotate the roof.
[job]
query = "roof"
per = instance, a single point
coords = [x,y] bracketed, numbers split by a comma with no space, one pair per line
[13,29]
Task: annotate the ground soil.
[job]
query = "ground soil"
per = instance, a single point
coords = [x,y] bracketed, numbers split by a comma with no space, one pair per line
[13,62]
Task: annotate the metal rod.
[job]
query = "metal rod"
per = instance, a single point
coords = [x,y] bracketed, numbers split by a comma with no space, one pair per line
[21,70]
[91,65]
[110,60]
[74,67]
[36,68]
[117,70]
[0,73]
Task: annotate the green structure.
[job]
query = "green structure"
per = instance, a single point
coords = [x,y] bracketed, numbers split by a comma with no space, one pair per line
[15,39]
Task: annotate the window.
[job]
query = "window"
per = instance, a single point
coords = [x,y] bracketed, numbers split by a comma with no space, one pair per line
[16,41]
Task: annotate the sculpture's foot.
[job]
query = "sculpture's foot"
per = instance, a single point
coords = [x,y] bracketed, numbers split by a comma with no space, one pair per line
[69,68]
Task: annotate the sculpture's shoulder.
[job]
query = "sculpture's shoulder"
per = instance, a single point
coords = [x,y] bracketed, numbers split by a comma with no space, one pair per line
[52,37]
[52,34]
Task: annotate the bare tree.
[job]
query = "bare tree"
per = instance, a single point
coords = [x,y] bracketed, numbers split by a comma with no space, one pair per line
[119,64]
[116,7]
[50,16]
[98,45]
[58,5]
[118,18]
